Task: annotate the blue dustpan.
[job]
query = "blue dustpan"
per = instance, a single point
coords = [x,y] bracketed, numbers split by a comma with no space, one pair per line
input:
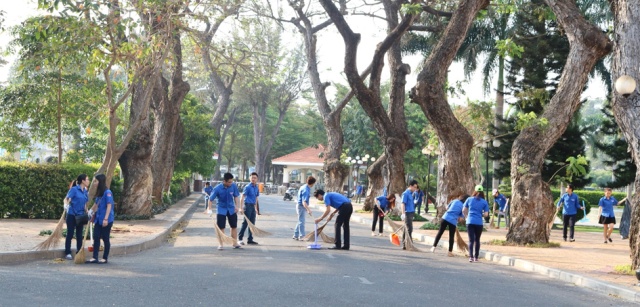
[315,244]
[585,219]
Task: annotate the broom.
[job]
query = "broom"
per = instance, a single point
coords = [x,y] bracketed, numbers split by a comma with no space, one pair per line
[255,230]
[492,225]
[462,245]
[55,237]
[408,241]
[222,238]
[553,219]
[80,257]
[323,236]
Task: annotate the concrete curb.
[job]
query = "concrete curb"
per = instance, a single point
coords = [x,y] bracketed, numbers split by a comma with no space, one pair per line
[527,266]
[174,216]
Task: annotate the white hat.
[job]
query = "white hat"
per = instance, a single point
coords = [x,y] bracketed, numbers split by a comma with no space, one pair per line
[495,191]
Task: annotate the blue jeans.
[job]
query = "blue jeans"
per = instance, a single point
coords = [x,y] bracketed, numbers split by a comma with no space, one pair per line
[71,227]
[101,232]
[250,213]
[299,230]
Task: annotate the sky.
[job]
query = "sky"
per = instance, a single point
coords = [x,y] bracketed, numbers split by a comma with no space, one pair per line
[331,54]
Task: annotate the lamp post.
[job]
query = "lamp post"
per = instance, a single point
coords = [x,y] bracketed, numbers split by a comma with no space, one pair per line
[625,85]
[429,151]
[486,140]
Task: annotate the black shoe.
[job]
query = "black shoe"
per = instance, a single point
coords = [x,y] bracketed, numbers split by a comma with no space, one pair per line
[565,239]
[572,240]
[605,242]
[334,247]
[345,248]
[252,242]
[610,240]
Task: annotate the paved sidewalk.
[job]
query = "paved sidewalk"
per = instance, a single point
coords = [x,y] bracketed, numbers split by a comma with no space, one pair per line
[19,237]
[588,262]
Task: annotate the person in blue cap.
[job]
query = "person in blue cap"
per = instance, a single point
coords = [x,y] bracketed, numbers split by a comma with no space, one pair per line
[227,194]
[75,203]
[571,204]
[418,197]
[501,200]
[475,208]
[207,190]
[345,209]
[105,214]
[450,220]
[250,199]
[304,194]
[606,214]
[408,209]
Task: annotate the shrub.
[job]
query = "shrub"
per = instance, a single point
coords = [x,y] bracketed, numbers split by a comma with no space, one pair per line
[30,190]
[591,198]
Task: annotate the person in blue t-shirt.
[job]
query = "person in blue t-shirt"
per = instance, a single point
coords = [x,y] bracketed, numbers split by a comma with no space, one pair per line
[104,209]
[418,197]
[501,200]
[250,199]
[382,206]
[75,203]
[475,208]
[345,209]
[607,216]
[302,208]
[450,219]
[207,191]
[358,192]
[227,194]
[408,210]
[571,204]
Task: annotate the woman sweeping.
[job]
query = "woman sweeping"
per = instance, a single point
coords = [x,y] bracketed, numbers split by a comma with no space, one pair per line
[450,219]
[475,208]
[104,219]
[383,204]
[75,204]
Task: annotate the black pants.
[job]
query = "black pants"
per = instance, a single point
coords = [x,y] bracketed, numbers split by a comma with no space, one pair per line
[377,218]
[568,220]
[71,227]
[250,213]
[408,220]
[474,231]
[342,221]
[452,231]
[101,232]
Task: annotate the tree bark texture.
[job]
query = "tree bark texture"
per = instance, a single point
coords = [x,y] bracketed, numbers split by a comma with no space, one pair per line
[454,167]
[626,110]
[168,130]
[532,205]
[231,119]
[376,181]
[135,164]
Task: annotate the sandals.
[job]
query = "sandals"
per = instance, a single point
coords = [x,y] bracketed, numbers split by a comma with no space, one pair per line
[101,261]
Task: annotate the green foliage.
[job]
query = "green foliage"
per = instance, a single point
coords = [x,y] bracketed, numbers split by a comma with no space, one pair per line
[411,8]
[507,47]
[199,145]
[624,269]
[37,190]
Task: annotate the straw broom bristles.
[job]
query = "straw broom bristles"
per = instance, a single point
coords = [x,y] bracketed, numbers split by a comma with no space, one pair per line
[326,238]
[80,257]
[255,230]
[553,219]
[408,241]
[55,237]
[462,245]
[395,226]
[492,225]
[222,238]
[310,235]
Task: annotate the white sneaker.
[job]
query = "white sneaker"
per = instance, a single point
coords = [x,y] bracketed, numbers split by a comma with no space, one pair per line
[69,257]
[220,247]
[241,242]
[373,234]
[209,212]
[433,249]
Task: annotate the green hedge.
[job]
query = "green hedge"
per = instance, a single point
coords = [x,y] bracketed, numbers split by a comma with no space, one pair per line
[591,198]
[36,190]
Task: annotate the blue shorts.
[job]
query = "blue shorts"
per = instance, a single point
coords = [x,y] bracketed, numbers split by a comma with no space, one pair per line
[222,219]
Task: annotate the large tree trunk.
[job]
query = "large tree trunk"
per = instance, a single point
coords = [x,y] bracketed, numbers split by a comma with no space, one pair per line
[499,113]
[376,181]
[231,119]
[531,202]
[625,62]
[168,130]
[454,168]
[334,170]
[135,162]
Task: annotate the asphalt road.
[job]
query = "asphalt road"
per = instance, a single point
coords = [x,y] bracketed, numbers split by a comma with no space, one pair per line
[283,272]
